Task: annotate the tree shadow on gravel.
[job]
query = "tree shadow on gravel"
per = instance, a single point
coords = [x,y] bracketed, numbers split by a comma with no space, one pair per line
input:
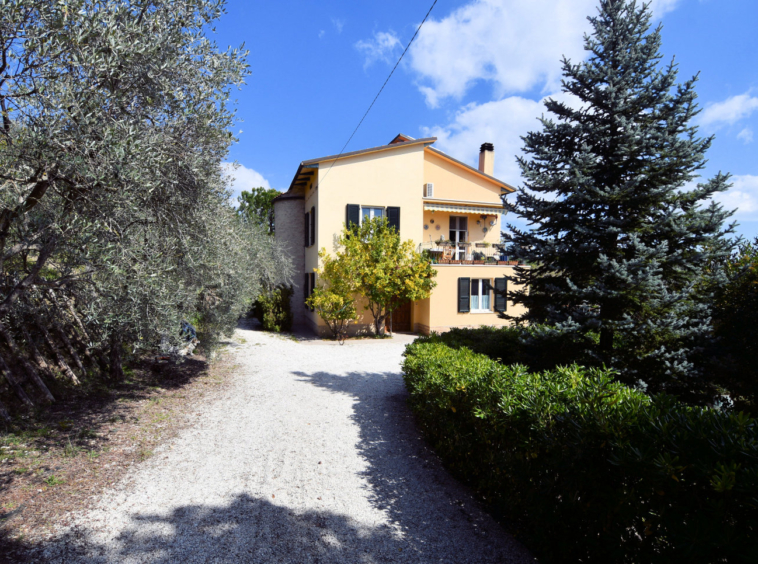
[249,529]
[407,480]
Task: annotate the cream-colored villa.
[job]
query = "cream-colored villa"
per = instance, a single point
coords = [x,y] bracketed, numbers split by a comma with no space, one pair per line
[446,207]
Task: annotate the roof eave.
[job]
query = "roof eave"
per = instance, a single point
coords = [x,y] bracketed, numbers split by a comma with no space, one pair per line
[476,171]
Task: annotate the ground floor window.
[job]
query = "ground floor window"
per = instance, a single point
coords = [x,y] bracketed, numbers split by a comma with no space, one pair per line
[480,294]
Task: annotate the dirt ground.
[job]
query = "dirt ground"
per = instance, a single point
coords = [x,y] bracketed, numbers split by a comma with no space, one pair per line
[55,462]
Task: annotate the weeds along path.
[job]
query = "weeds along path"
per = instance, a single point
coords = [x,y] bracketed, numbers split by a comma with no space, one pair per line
[310,455]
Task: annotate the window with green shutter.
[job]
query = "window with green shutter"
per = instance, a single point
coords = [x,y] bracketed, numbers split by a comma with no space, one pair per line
[353,215]
[393,218]
[464,285]
[313,226]
[501,287]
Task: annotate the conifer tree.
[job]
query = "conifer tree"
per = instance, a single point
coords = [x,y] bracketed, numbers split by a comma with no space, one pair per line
[621,231]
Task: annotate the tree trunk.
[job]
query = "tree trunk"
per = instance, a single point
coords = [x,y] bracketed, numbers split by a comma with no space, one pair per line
[27,366]
[38,358]
[65,368]
[71,350]
[117,372]
[606,340]
[4,412]
[14,383]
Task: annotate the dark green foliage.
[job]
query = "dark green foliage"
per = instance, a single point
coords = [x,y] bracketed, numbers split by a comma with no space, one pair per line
[735,358]
[538,347]
[257,206]
[587,469]
[273,310]
[621,232]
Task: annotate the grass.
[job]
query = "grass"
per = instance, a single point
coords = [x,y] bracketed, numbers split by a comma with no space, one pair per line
[52,480]
[71,450]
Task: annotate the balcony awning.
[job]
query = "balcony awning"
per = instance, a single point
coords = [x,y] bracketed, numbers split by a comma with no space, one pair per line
[465,208]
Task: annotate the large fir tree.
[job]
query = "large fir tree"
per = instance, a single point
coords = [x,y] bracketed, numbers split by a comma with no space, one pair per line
[622,236]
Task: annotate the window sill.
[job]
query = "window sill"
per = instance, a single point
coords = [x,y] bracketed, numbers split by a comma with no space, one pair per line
[480,311]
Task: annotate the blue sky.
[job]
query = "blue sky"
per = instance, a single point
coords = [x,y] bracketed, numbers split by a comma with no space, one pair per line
[477,72]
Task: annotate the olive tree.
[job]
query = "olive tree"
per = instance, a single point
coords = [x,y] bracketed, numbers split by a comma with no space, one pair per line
[114,217]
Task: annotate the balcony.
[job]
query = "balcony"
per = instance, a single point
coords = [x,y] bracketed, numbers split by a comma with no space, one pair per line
[447,252]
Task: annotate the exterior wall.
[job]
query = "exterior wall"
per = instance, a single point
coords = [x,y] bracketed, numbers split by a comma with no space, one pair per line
[440,312]
[288,218]
[452,182]
[388,178]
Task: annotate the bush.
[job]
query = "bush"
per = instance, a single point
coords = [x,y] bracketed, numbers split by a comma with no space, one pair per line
[587,468]
[273,309]
[539,347]
[733,362]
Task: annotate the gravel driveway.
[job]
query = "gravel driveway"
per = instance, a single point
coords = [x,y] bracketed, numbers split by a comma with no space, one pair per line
[310,455]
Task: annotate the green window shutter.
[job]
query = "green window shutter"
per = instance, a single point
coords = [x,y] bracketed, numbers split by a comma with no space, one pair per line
[353,215]
[393,218]
[306,292]
[306,228]
[501,286]
[313,225]
[464,297]
[313,283]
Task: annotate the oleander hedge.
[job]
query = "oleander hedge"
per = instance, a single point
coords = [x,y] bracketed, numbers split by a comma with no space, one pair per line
[586,468]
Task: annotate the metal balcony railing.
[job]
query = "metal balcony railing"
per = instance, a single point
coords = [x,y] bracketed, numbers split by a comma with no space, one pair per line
[446,252]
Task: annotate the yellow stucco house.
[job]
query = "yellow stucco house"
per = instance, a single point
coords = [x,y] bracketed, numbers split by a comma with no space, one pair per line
[446,207]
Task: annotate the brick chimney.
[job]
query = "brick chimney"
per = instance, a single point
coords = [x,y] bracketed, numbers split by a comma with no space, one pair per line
[487,158]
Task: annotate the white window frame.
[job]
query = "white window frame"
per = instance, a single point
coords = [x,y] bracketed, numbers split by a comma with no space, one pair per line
[371,213]
[460,246]
[479,296]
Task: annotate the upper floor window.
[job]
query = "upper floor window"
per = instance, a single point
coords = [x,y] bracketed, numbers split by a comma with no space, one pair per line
[458,229]
[371,213]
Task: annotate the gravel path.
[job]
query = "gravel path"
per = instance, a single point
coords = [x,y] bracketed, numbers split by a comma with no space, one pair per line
[310,455]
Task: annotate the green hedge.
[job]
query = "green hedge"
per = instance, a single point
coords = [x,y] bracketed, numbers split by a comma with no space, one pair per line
[590,470]
[540,347]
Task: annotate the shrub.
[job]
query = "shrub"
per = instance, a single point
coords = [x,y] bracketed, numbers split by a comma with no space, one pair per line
[539,347]
[273,310]
[587,468]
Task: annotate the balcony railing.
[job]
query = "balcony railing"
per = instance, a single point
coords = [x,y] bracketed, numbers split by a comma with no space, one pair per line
[446,252]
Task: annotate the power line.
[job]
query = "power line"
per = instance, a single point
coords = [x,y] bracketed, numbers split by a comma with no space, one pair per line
[380,91]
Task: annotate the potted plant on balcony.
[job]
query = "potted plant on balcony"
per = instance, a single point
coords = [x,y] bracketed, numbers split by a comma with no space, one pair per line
[478,258]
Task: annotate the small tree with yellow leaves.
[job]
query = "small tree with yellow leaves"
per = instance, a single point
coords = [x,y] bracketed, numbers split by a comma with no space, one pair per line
[386,270]
[333,299]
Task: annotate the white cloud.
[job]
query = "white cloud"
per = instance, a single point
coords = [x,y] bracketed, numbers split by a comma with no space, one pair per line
[742,196]
[746,135]
[240,178]
[501,122]
[729,111]
[321,33]
[515,45]
[338,24]
[382,47]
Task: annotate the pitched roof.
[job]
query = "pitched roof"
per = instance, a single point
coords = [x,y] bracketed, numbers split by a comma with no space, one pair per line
[400,141]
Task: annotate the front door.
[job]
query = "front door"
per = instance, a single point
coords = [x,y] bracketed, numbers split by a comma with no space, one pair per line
[458,236]
[401,318]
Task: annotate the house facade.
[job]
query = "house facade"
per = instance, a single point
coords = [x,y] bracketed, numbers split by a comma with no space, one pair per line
[450,210]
